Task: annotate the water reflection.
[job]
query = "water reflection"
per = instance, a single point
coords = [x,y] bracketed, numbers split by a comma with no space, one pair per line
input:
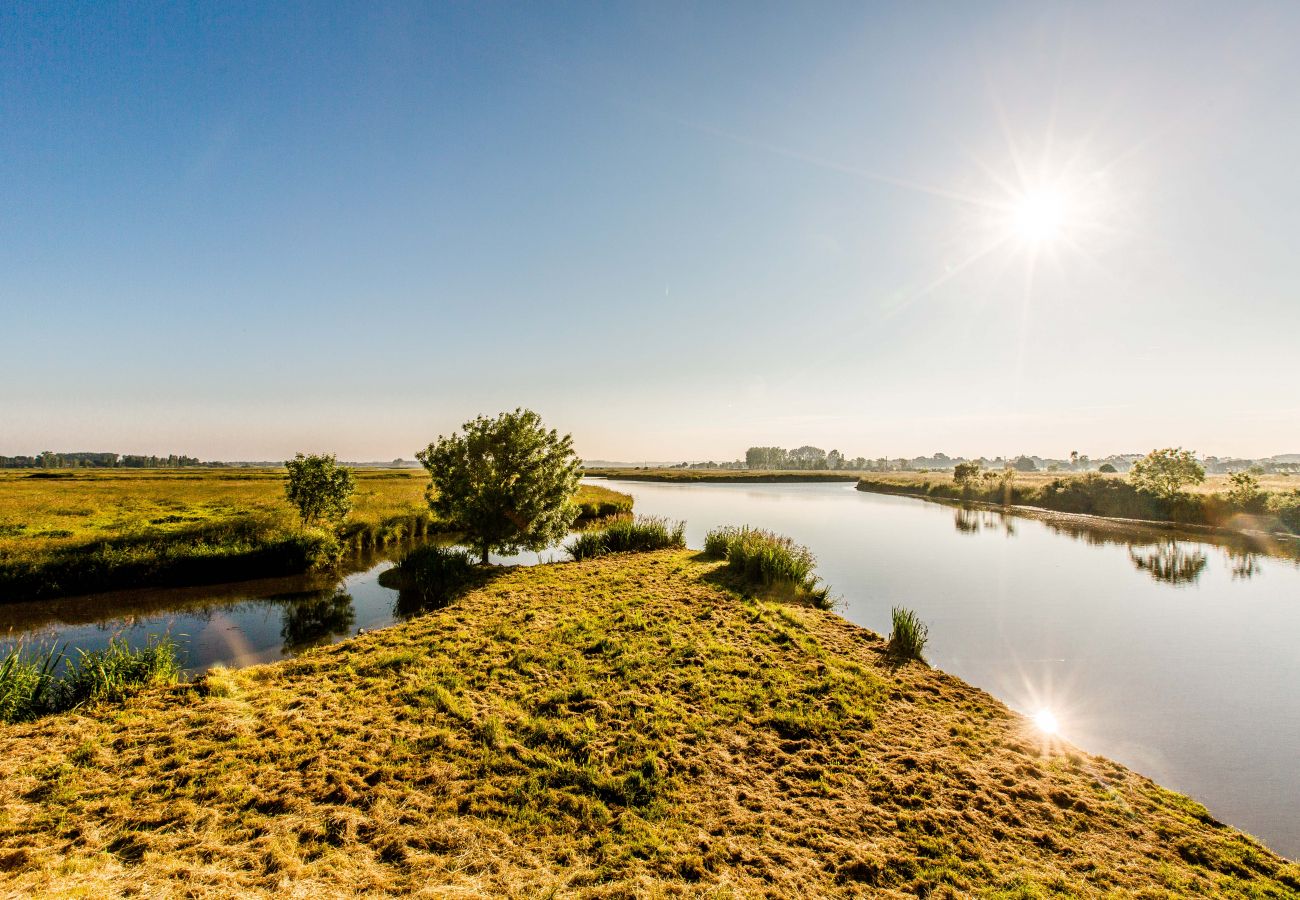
[973,520]
[316,620]
[1243,564]
[1170,562]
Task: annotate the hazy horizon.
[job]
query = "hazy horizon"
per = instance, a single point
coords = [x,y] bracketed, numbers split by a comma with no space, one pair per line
[675,232]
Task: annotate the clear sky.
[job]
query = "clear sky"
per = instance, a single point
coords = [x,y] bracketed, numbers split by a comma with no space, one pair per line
[240,230]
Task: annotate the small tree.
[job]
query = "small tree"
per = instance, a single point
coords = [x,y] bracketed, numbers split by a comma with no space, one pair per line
[1245,490]
[507,482]
[1166,472]
[319,487]
[1107,469]
[965,474]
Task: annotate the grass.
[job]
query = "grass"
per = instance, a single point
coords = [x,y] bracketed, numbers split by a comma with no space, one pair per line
[87,531]
[628,535]
[31,684]
[1277,509]
[627,726]
[908,636]
[768,560]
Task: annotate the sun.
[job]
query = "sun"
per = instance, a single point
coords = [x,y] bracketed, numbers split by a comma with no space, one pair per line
[1039,216]
[1046,722]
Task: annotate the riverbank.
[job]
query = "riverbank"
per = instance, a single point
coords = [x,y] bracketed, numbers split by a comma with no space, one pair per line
[75,532]
[1104,496]
[618,727]
[721,475]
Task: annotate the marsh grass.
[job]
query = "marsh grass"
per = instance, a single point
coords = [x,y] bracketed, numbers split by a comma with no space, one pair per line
[908,636]
[31,684]
[769,560]
[628,535]
[437,574]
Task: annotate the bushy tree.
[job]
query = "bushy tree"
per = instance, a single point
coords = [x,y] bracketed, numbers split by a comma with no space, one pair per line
[319,487]
[1107,469]
[1166,472]
[507,482]
[965,473]
[1245,490]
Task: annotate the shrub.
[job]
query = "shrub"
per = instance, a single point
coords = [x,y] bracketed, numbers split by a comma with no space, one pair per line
[769,560]
[1107,469]
[629,535]
[909,635]
[1166,472]
[437,574]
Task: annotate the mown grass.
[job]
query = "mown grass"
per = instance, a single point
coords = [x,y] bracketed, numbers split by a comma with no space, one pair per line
[89,531]
[769,560]
[622,727]
[38,682]
[628,535]
[1106,495]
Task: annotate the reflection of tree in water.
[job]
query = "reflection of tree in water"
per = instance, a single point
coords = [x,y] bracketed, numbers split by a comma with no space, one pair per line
[316,619]
[1243,564]
[969,520]
[1170,562]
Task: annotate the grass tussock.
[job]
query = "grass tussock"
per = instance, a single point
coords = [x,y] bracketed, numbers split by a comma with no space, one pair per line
[625,726]
[628,535]
[89,531]
[908,635]
[437,574]
[35,683]
[769,560]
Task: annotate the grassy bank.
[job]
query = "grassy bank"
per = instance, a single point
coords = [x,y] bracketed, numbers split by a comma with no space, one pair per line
[623,727]
[1275,509]
[89,531]
[720,475]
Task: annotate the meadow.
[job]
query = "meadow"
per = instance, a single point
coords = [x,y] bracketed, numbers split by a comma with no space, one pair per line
[634,725]
[64,532]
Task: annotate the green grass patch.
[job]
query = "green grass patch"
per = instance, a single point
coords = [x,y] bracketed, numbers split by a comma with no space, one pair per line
[628,535]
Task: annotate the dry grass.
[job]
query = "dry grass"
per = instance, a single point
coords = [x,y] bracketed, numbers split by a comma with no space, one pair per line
[623,727]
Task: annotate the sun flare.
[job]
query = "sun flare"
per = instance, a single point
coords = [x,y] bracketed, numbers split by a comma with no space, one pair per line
[1045,721]
[1039,216]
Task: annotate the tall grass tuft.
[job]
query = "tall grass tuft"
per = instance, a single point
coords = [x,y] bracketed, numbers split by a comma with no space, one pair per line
[770,560]
[628,535]
[30,687]
[909,635]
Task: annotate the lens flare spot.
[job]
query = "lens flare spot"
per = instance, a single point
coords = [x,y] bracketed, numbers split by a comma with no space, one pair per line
[1045,721]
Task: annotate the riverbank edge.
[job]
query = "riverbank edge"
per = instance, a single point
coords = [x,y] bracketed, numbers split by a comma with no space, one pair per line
[880,797]
[1045,513]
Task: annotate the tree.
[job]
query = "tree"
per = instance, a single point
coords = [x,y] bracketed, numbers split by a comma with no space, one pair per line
[319,487]
[965,473]
[1024,464]
[1245,490]
[1107,469]
[1166,472]
[507,482]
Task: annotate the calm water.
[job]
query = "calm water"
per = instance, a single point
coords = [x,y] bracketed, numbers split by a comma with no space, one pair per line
[1173,653]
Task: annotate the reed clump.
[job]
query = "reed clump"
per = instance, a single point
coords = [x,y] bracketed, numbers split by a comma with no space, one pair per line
[908,636]
[437,574]
[629,534]
[769,560]
[34,683]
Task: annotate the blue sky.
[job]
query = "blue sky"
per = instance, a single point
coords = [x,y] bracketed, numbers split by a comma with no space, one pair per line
[676,231]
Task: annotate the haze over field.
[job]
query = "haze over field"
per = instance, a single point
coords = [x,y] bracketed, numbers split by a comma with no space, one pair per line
[673,231]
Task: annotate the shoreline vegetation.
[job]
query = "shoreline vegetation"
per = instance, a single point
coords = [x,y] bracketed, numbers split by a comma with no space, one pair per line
[86,531]
[650,723]
[1208,505]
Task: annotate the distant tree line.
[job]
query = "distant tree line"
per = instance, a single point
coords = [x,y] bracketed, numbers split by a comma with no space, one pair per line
[51,460]
[806,457]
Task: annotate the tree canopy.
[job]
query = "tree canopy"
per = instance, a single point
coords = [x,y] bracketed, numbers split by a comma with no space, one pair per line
[507,482]
[319,487]
[1166,472]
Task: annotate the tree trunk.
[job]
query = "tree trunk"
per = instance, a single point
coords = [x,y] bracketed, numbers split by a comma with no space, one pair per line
[485,553]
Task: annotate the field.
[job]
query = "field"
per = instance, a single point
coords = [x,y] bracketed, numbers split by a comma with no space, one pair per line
[629,726]
[67,532]
[1213,484]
